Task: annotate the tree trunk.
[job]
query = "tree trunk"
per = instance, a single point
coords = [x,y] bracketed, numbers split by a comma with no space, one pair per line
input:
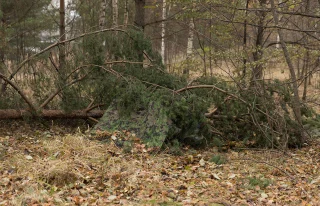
[139,17]
[189,45]
[126,14]
[307,56]
[50,114]
[62,51]
[62,33]
[163,31]
[296,99]
[244,71]
[305,75]
[114,13]
[140,23]
[102,15]
[258,53]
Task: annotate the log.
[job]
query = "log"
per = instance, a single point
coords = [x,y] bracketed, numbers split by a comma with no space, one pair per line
[50,114]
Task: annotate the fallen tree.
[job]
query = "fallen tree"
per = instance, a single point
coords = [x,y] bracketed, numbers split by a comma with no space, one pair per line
[50,114]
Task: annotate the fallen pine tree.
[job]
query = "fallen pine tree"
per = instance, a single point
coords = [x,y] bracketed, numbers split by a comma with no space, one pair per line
[50,114]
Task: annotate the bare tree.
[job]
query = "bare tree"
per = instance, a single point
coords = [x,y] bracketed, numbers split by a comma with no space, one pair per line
[258,53]
[296,99]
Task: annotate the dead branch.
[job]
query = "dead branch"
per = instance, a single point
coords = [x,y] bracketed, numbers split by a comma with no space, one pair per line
[15,87]
[88,109]
[210,86]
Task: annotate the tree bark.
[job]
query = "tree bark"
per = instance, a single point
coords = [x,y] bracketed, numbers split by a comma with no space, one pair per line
[50,114]
[307,56]
[114,13]
[62,33]
[140,23]
[140,13]
[258,53]
[102,15]
[189,45]
[126,14]
[163,31]
[296,99]
[244,60]
[62,50]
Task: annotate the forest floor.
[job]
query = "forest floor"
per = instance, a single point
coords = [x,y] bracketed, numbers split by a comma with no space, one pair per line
[56,165]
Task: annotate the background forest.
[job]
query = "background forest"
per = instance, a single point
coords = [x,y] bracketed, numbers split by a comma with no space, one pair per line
[223,71]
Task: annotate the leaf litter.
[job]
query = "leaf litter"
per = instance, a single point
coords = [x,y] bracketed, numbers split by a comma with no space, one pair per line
[67,168]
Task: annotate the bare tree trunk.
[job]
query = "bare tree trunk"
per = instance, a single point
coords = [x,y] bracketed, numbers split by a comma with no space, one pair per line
[115,13]
[163,31]
[244,71]
[140,13]
[258,53]
[210,47]
[62,33]
[126,14]
[307,56]
[62,50]
[140,22]
[102,16]
[305,75]
[296,99]
[278,38]
[189,45]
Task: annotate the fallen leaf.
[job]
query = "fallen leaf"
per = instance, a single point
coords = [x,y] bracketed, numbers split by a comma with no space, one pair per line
[28,157]
[202,162]
[264,195]
[112,197]
[216,176]
[231,176]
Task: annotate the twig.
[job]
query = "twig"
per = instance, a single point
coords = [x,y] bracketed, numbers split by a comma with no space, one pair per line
[53,63]
[93,119]
[91,103]
[88,109]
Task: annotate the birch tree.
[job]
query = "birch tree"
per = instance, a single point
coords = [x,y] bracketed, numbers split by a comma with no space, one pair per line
[163,31]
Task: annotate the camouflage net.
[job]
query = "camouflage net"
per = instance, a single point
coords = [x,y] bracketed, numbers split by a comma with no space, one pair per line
[152,125]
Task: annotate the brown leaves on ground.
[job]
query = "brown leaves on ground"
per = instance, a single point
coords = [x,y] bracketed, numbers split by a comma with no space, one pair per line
[45,168]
